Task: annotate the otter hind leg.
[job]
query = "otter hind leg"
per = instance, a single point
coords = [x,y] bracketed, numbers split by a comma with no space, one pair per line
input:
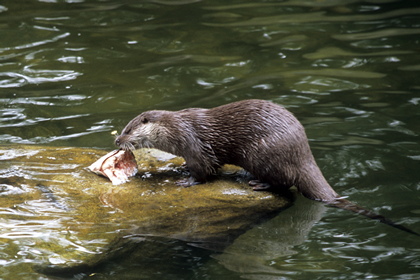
[258,185]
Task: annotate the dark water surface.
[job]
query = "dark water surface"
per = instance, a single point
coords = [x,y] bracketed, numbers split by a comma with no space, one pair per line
[71,72]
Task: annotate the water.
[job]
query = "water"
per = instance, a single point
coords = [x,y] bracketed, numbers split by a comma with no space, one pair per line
[71,72]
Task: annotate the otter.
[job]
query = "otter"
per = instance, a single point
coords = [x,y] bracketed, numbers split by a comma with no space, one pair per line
[260,136]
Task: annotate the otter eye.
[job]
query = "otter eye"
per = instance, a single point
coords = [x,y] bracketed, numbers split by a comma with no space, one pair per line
[144,120]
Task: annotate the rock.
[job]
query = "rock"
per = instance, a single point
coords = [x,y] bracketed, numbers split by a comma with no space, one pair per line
[83,219]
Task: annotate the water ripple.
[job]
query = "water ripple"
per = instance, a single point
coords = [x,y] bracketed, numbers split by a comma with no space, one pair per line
[377,34]
[329,52]
[31,76]
[316,17]
[36,43]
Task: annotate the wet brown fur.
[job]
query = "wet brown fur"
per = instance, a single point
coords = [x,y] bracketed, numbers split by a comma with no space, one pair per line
[262,137]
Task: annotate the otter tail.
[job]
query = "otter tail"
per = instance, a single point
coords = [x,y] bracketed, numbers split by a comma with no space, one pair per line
[312,184]
[348,205]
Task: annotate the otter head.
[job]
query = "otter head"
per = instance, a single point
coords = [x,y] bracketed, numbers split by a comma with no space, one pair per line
[144,131]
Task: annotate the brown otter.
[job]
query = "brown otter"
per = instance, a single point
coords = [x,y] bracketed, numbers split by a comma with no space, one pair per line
[262,137]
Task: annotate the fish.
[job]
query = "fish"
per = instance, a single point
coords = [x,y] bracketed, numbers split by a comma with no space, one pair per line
[118,166]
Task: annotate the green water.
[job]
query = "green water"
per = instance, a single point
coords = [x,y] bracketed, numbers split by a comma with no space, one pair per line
[71,72]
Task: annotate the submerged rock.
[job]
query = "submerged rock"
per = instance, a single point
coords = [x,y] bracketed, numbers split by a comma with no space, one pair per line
[83,219]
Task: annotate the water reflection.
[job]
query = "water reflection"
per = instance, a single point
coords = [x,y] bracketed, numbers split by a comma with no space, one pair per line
[73,71]
[259,252]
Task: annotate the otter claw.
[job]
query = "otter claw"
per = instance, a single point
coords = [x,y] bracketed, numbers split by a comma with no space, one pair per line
[187,182]
[258,186]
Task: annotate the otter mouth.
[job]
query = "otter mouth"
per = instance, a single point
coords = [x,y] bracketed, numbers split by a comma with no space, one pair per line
[127,146]
[124,143]
[131,146]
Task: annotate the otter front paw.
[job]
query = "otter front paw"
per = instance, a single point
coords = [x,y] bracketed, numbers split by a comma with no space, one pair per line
[187,182]
[258,186]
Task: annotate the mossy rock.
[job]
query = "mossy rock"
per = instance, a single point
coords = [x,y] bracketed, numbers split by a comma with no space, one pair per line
[82,219]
